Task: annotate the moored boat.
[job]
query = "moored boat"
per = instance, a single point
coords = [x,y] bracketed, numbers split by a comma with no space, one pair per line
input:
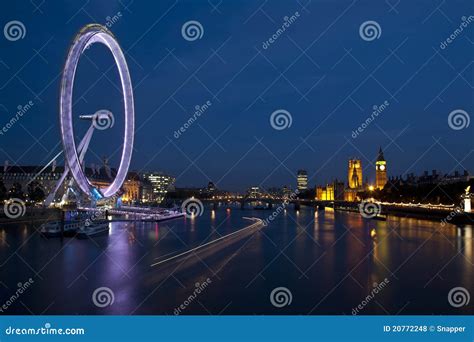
[163,216]
[93,229]
[55,229]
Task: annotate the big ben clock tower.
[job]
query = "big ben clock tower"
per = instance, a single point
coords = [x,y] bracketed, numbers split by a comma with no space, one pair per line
[380,171]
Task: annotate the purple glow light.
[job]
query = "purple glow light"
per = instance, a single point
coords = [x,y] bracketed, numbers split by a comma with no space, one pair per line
[89,35]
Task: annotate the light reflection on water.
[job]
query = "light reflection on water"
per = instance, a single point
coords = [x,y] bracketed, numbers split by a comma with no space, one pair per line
[327,259]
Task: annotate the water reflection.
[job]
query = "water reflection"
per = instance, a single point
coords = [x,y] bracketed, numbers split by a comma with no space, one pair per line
[3,235]
[326,257]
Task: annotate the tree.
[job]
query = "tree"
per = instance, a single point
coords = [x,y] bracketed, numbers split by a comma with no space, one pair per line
[3,191]
[15,191]
[35,192]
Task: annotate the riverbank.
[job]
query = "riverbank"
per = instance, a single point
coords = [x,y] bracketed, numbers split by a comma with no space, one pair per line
[30,215]
[447,215]
[40,215]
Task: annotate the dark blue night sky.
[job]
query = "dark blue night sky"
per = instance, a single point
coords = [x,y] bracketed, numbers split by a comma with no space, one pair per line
[320,70]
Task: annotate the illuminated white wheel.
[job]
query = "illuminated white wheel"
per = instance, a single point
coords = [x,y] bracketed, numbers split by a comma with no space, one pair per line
[89,35]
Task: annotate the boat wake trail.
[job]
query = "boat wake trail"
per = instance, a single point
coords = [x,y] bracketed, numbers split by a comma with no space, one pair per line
[214,245]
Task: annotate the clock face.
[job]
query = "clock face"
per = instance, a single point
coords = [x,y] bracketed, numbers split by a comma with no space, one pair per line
[382,167]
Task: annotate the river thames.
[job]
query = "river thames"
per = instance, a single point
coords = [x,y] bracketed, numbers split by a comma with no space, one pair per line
[327,261]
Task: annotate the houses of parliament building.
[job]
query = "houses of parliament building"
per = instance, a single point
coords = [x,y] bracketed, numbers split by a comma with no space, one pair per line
[355,181]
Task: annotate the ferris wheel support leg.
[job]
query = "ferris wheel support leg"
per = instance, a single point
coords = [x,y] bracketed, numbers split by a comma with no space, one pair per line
[45,167]
[84,144]
[82,148]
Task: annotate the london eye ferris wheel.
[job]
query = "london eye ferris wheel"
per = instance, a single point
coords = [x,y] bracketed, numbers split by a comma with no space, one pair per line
[74,154]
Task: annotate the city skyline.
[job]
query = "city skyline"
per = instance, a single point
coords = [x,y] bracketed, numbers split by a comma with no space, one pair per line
[103,173]
[224,139]
[236,158]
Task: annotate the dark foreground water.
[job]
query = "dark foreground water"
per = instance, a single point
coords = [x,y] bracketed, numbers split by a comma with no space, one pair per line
[327,261]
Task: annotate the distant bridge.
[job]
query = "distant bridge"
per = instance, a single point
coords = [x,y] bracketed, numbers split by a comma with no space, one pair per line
[269,201]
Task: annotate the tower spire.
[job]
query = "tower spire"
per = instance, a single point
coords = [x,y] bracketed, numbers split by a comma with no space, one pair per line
[380,171]
[380,156]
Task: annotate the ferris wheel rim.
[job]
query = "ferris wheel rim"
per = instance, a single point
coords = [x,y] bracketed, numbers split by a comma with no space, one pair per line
[87,36]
